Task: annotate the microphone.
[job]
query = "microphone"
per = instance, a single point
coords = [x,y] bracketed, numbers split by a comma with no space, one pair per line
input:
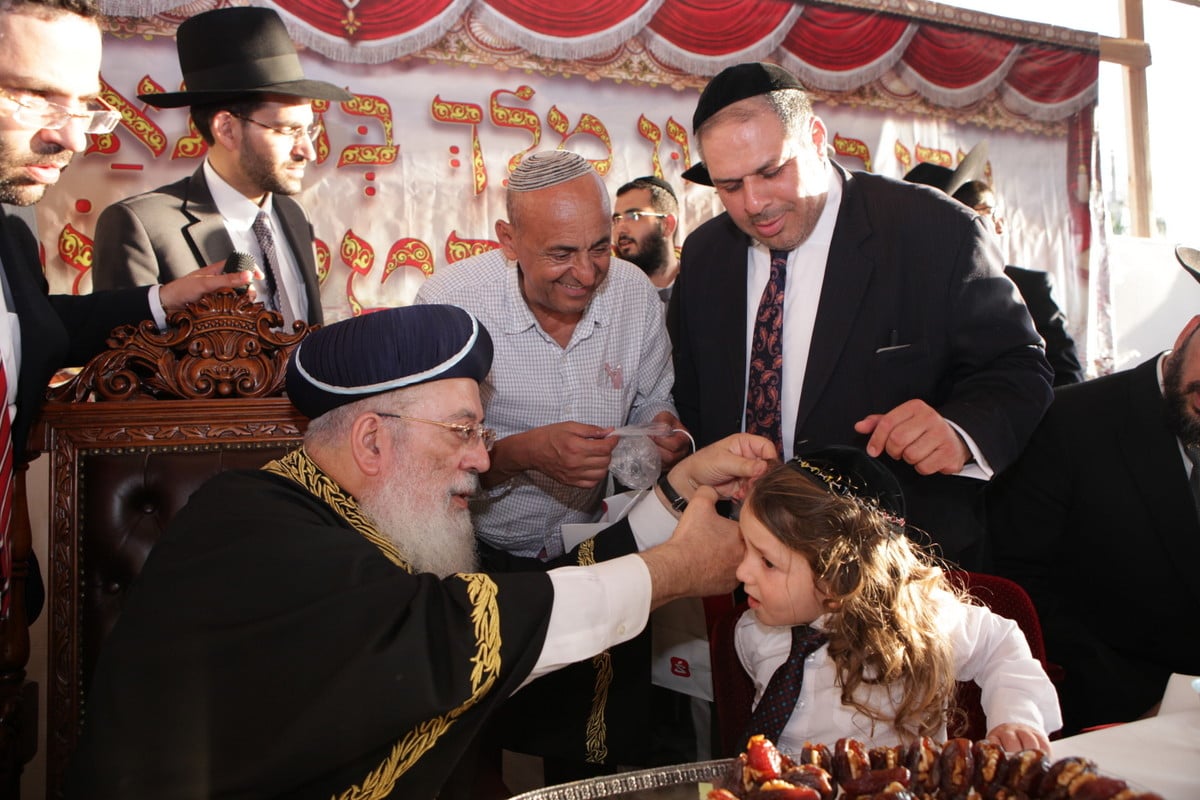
[240,262]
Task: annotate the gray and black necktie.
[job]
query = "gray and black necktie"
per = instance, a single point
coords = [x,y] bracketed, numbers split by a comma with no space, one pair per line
[1193,454]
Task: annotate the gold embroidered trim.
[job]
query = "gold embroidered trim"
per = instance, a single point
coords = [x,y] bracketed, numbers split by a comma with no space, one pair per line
[382,780]
[596,733]
[485,619]
[297,466]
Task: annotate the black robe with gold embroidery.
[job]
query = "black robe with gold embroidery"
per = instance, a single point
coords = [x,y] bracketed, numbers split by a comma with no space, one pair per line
[274,648]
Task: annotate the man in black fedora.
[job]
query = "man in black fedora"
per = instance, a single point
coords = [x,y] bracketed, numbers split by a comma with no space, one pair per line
[1098,521]
[829,307]
[251,104]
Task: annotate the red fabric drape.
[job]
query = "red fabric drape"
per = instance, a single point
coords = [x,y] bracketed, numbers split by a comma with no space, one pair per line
[718,27]
[955,59]
[840,39]
[831,48]
[567,19]
[1052,75]
[375,19]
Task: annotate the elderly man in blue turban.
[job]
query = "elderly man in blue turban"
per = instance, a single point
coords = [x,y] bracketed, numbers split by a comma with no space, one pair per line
[317,628]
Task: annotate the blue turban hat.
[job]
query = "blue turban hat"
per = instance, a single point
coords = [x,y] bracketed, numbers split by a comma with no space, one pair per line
[384,351]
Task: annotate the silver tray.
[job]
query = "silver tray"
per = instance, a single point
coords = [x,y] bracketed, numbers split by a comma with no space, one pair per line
[680,782]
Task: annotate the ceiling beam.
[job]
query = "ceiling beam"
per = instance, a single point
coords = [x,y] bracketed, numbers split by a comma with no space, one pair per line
[1137,123]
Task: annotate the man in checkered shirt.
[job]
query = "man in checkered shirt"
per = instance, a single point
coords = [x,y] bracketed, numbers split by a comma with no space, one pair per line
[581,349]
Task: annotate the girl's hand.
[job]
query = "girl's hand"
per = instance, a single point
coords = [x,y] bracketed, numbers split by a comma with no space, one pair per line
[1014,737]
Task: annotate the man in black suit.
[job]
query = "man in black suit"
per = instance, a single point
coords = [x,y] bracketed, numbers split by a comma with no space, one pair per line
[900,333]
[1035,288]
[252,106]
[49,90]
[1097,521]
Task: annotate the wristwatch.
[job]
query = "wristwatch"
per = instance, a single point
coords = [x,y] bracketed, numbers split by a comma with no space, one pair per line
[676,500]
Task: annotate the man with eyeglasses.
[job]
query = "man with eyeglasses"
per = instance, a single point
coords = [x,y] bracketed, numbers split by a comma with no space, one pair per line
[251,104]
[49,102]
[321,628]
[644,226]
[583,351]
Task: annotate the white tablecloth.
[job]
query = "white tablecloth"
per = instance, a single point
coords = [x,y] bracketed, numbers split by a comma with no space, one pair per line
[1160,754]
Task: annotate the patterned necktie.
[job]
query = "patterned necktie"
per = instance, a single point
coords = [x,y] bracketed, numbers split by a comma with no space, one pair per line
[274,270]
[779,698]
[6,498]
[1193,454]
[764,387]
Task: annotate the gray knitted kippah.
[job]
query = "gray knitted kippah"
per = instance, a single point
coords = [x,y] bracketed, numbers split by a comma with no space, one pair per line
[545,169]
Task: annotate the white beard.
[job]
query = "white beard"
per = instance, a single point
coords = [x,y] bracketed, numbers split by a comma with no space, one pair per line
[431,534]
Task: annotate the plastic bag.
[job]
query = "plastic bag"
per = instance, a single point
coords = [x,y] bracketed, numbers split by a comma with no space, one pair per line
[635,460]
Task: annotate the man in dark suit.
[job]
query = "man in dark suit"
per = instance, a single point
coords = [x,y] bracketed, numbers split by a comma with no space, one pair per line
[1099,524]
[1034,286]
[49,88]
[964,183]
[251,104]
[899,331]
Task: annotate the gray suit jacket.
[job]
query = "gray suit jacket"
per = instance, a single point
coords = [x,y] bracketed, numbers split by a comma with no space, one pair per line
[166,233]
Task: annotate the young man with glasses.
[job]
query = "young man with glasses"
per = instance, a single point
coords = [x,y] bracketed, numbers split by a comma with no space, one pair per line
[644,225]
[251,104]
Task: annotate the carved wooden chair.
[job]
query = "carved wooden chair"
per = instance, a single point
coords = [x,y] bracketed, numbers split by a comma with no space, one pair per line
[130,438]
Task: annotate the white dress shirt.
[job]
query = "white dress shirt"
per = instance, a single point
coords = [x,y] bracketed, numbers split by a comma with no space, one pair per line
[988,649]
[238,214]
[605,604]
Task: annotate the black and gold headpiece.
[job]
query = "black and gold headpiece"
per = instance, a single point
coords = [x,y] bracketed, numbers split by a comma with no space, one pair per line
[849,472]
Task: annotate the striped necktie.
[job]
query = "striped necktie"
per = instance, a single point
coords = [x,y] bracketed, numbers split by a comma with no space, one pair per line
[783,690]
[274,270]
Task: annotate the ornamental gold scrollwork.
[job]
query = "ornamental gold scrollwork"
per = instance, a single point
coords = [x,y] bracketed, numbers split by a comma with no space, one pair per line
[222,346]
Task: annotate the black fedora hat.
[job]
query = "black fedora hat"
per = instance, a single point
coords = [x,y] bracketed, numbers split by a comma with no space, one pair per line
[1189,257]
[230,53]
[732,85]
[971,168]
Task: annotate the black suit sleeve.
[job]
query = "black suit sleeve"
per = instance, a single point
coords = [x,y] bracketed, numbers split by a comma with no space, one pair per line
[1051,323]
[89,319]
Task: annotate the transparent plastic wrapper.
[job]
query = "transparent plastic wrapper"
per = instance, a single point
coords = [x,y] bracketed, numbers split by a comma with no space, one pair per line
[635,460]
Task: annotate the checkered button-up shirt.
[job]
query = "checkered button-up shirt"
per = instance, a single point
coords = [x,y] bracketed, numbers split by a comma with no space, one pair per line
[616,370]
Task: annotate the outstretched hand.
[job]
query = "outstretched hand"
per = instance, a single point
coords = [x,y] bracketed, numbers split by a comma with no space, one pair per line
[199,282]
[914,432]
[729,466]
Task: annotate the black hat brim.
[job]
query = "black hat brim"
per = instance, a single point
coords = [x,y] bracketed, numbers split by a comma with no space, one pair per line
[301,89]
[698,173]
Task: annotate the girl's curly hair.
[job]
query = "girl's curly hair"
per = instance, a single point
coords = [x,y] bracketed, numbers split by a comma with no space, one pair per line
[880,587]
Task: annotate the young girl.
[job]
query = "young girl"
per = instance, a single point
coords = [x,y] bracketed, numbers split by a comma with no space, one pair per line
[825,549]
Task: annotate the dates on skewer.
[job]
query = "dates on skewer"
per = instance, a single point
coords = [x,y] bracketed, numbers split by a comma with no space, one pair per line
[924,770]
